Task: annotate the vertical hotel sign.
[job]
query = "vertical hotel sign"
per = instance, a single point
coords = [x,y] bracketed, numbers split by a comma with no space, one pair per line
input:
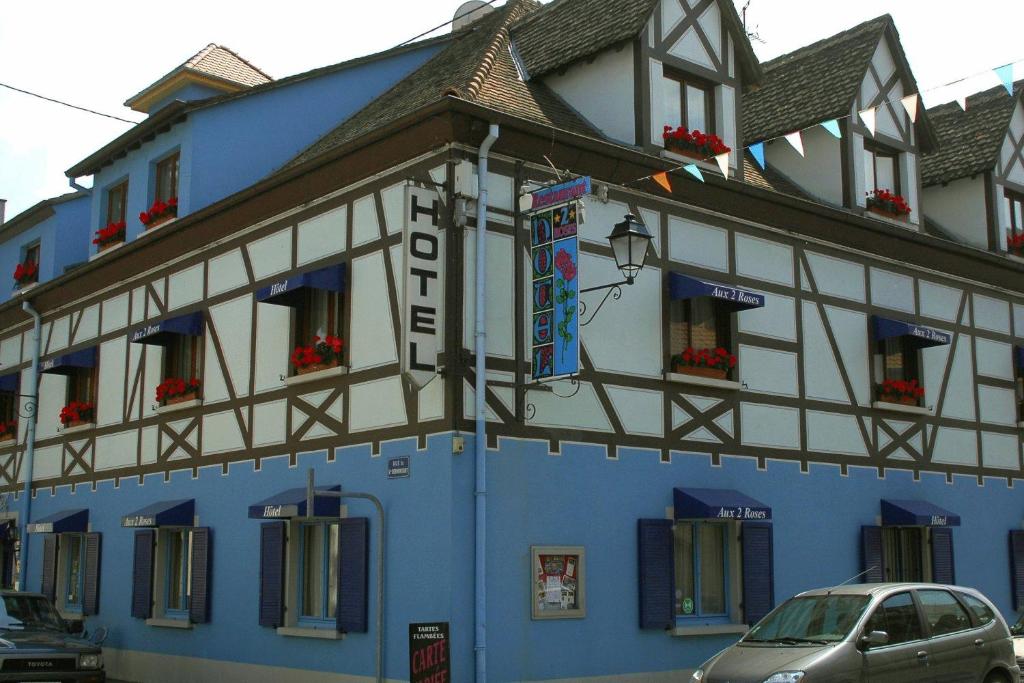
[422,279]
[554,252]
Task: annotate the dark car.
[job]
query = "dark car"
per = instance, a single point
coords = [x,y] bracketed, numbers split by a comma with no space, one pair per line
[36,644]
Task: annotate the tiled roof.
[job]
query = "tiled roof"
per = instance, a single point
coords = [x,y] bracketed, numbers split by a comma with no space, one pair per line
[769,179]
[476,66]
[214,61]
[969,141]
[566,31]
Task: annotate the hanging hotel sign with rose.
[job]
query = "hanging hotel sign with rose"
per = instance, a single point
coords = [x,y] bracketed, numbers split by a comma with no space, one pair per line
[555,214]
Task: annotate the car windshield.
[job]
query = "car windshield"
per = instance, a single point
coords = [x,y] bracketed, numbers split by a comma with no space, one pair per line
[31,612]
[810,619]
[1018,628]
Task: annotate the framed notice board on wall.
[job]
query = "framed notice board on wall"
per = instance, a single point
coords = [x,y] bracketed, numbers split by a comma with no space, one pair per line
[558,582]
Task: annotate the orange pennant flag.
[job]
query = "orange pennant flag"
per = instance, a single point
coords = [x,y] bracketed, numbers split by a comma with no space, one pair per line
[662,179]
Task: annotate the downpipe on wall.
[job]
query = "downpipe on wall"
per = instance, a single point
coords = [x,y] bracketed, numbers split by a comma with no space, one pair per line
[31,407]
[480,438]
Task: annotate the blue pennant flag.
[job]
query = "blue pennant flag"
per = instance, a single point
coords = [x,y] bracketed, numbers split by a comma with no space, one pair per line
[1005,74]
[694,171]
[757,151]
[832,127]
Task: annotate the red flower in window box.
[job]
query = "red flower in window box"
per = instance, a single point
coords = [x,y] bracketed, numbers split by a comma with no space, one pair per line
[107,237]
[8,430]
[1015,243]
[888,204]
[320,355]
[176,390]
[77,413]
[906,392]
[693,143]
[26,273]
[716,363]
[159,212]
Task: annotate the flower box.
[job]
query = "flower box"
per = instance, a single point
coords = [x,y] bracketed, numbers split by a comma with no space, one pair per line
[316,367]
[25,274]
[888,204]
[111,236]
[7,438]
[322,354]
[888,214]
[901,392]
[713,363]
[902,400]
[714,373]
[160,212]
[77,413]
[175,390]
[693,143]
[77,423]
[181,398]
[1015,243]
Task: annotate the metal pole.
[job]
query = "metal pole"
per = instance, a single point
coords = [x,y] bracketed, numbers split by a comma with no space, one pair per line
[30,440]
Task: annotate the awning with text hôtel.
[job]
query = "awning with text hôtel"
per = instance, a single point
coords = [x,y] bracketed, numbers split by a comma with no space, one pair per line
[64,522]
[917,336]
[692,503]
[292,503]
[9,382]
[68,363]
[289,291]
[163,332]
[916,513]
[164,513]
[685,287]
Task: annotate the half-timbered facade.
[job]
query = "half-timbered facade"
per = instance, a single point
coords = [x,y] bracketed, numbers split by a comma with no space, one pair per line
[639,514]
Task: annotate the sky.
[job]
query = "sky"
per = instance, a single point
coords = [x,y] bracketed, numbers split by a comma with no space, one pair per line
[99,54]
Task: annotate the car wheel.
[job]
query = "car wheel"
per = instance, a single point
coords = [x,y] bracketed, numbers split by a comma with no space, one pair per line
[997,677]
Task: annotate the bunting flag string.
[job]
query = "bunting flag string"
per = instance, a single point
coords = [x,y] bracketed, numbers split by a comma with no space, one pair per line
[757,151]
[910,103]
[662,179]
[868,117]
[833,127]
[1005,74]
[723,163]
[694,171]
[797,140]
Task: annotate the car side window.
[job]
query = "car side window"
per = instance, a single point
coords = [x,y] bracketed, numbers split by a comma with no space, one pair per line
[982,612]
[898,617]
[943,613]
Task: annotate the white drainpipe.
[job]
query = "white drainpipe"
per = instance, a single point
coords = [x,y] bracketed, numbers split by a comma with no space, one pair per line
[31,408]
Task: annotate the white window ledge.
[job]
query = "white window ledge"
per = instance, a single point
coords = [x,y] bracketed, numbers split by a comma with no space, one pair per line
[683,378]
[164,622]
[709,630]
[1020,425]
[150,231]
[78,428]
[710,165]
[101,254]
[314,376]
[22,290]
[184,405]
[900,408]
[899,222]
[1013,257]
[305,632]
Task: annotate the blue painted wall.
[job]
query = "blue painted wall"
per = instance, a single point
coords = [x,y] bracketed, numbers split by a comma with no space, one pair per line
[189,93]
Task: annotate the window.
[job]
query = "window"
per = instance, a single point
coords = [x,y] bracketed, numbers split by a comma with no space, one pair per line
[898,361]
[74,571]
[182,357]
[167,178]
[170,572]
[689,102]
[27,272]
[942,612]
[317,588]
[898,617]
[700,323]
[117,199]
[702,568]
[904,553]
[9,409]
[81,385]
[1015,209]
[983,614]
[178,571]
[318,316]
[881,168]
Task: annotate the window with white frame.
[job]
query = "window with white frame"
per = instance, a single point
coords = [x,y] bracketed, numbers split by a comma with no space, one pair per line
[317,330]
[898,368]
[317,576]
[71,568]
[702,569]
[904,549]
[177,575]
[881,168]
[1015,215]
[689,102]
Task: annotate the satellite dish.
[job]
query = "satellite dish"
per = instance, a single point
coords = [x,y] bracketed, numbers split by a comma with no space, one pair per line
[468,12]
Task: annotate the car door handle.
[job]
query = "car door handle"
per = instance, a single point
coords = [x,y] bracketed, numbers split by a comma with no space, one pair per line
[922,655]
[978,642]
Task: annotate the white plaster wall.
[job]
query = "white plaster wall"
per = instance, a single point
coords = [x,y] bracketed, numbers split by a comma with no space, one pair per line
[656,71]
[268,423]
[273,341]
[857,151]
[271,254]
[88,324]
[892,290]
[117,450]
[995,359]
[322,235]
[639,411]
[582,411]
[764,260]
[59,334]
[939,301]
[960,208]
[115,313]
[999,450]
[376,404]
[586,87]
[221,433]
[991,314]
[776,319]
[771,426]
[701,245]
[822,380]
[834,433]
[768,371]
[819,171]
[955,446]
[997,405]
[725,120]
[227,272]
[837,277]
[52,395]
[372,336]
[110,390]
[500,295]
[365,226]
[606,337]
[233,323]
[10,351]
[185,287]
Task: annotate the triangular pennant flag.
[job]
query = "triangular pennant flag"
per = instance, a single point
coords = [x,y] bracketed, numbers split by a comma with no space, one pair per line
[910,104]
[868,117]
[723,163]
[961,99]
[694,171]
[662,179]
[797,141]
[832,127]
[1005,74]
[757,151]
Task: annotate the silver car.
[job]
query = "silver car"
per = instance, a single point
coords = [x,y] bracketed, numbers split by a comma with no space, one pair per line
[873,633]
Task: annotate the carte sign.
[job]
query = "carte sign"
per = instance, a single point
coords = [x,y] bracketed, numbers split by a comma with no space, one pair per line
[422,279]
[429,653]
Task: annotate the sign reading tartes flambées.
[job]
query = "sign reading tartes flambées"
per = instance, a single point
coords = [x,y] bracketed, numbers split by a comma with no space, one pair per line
[422,284]
[429,653]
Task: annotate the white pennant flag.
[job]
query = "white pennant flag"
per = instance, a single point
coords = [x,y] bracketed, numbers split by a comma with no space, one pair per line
[961,99]
[910,104]
[723,163]
[797,141]
[868,117]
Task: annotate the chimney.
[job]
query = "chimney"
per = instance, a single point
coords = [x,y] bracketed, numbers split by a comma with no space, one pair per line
[3,208]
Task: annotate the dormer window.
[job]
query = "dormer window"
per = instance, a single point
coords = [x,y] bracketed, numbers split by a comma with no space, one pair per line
[167,178]
[881,168]
[689,102]
[1015,213]
[117,199]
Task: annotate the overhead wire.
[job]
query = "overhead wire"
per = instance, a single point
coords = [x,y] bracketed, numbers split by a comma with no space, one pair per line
[66,104]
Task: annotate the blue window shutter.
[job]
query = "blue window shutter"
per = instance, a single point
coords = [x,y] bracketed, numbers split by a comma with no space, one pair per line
[48,585]
[272,547]
[758,570]
[657,573]
[202,564]
[1017,569]
[943,570]
[353,574]
[91,591]
[872,561]
[142,574]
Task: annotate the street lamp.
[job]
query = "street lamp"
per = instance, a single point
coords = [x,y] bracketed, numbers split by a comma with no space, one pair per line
[629,240]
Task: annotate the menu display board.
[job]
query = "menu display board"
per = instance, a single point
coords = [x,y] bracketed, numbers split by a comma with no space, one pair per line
[558,588]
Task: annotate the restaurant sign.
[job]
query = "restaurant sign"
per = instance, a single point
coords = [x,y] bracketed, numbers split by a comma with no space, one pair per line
[429,653]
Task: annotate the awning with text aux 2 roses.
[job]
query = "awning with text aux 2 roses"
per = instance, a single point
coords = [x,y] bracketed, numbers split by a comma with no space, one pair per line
[74,521]
[9,382]
[292,503]
[290,291]
[69,363]
[1018,357]
[916,513]
[917,336]
[685,287]
[163,332]
[694,503]
[164,513]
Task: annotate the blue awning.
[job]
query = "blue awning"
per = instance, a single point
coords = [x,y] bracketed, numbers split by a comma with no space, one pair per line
[68,363]
[917,335]
[292,503]
[63,522]
[718,504]
[916,513]
[288,292]
[164,513]
[9,382]
[1018,356]
[685,287]
[163,332]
